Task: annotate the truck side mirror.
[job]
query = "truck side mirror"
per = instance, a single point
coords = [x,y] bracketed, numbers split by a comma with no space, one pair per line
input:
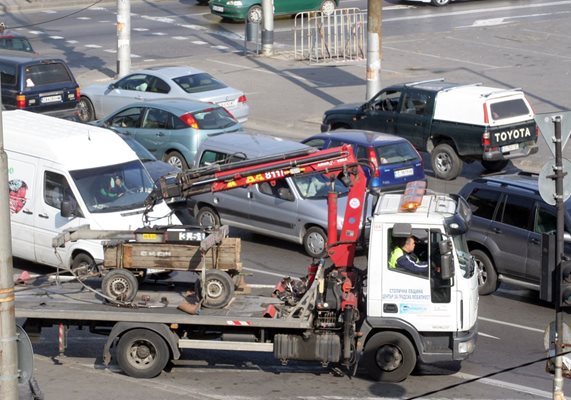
[445,247]
[446,266]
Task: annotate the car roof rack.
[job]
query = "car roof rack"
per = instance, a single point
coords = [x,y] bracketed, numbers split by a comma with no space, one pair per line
[462,86]
[421,82]
[501,91]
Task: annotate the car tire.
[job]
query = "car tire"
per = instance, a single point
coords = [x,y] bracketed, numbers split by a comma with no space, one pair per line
[328,7]
[494,166]
[142,353]
[315,242]
[85,110]
[440,3]
[334,127]
[120,285]
[218,289]
[445,162]
[487,275]
[389,357]
[207,217]
[82,264]
[255,15]
[175,159]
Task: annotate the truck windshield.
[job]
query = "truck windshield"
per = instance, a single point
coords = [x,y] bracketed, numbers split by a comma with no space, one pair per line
[465,259]
[114,188]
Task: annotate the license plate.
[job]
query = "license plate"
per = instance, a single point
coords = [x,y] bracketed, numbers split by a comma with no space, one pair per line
[510,147]
[226,104]
[404,172]
[218,8]
[51,99]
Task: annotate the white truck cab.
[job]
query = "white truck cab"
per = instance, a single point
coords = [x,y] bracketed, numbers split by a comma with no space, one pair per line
[60,176]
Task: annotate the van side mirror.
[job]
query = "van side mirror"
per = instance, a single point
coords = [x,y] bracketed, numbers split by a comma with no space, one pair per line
[69,209]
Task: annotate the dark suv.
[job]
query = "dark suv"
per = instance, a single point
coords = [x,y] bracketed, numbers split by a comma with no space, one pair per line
[38,84]
[509,217]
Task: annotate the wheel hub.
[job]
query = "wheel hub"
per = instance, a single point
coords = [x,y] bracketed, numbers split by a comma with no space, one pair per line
[214,289]
[389,358]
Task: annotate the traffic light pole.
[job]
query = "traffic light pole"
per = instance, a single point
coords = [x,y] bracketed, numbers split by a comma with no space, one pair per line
[559,174]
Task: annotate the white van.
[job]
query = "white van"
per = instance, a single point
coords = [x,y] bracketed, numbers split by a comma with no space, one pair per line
[63,174]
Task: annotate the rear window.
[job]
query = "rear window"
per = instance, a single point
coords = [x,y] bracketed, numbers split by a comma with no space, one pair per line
[509,109]
[16,43]
[396,153]
[214,118]
[46,74]
[196,83]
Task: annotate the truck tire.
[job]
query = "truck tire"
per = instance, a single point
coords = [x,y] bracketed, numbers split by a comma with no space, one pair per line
[315,242]
[120,284]
[445,162]
[85,110]
[487,275]
[218,289]
[82,264]
[494,166]
[142,353]
[207,217]
[389,357]
[176,159]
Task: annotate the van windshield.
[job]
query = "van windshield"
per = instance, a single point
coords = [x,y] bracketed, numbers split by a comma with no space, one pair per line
[114,188]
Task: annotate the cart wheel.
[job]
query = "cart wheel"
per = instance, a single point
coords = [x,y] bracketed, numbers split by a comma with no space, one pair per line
[218,289]
[120,284]
[142,353]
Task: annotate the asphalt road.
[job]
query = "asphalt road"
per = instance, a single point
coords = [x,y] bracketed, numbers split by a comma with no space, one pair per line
[500,43]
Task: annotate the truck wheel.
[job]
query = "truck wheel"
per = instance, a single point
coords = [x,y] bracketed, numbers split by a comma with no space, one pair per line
[389,357]
[440,3]
[207,217]
[494,166]
[82,264]
[487,275]
[445,162]
[176,159]
[315,242]
[85,109]
[218,289]
[120,284]
[142,353]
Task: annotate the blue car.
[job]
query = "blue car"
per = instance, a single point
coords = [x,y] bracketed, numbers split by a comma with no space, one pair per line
[396,160]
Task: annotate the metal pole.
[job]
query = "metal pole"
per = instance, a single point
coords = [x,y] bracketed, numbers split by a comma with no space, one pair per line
[267,27]
[374,39]
[8,339]
[559,246]
[123,37]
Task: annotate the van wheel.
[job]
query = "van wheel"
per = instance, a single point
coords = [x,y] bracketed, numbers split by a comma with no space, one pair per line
[389,357]
[207,217]
[142,353]
[487,275]
[218,289]
[85,109]
[494,166]
[176,159]
[82,264]
[445,162]
[120,284]
[315,242]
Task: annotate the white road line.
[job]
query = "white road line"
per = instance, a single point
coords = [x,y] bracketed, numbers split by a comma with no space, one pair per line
[93,46]
[505,385]
[527,328]
[458,60]
[488,336]
[259,271]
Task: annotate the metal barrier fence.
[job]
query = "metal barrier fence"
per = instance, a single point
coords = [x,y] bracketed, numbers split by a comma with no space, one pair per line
[336,37]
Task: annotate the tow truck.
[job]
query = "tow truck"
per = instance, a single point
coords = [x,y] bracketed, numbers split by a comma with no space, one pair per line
[339,313]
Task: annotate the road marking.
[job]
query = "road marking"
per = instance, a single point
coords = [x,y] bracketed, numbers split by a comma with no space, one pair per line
[56,37]
[505,385]
[527,328]
[458,60]
[506,20]
[259,271]
[93,46]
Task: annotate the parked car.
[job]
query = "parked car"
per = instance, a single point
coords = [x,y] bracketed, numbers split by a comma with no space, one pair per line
[173,129]
[252,9]
[38,84]
[12,41]
[395,159]
[293,209]
[101,99]
[509,217]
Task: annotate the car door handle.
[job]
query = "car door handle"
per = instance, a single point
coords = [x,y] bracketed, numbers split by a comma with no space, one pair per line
[45,216]
[160,134]
[139,97]
[496,230]
[27,212]
[418,124]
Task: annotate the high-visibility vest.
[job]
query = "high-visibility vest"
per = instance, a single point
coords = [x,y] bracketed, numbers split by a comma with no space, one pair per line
[395,255]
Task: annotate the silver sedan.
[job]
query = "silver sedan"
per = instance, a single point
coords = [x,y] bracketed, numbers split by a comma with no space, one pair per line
[99,100]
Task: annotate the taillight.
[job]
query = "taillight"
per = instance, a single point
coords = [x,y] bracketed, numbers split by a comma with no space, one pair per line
[20,101]
[374,161]
[77,94]
[189,120]
[486,118]
[242,99]
[486,139]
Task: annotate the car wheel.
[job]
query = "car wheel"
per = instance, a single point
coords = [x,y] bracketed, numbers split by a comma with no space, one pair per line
[445,162]
[339,126]
[315,242]
[255,14]
[487,275]
[440,3]
[207,217]
[494,166]
[176,159]
[82,264]
[120,284]
[327,7]
[142,353]
[218,289]
[85,110]
[389,357]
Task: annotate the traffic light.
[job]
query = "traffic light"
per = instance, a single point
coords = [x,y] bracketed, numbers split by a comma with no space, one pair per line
[565,291]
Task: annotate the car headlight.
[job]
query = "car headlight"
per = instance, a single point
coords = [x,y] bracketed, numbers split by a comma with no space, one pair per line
[235,3]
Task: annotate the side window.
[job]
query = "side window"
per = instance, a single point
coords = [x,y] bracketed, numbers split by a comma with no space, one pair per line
[210,157]
[409,255]
[157,85]
[279,189]
[545,221]
[136,82]
[129,118]
[416,103]
[8,74]
[387,101]
[156,119]
[56,189]
[483,202]
[517,210]
[317,143]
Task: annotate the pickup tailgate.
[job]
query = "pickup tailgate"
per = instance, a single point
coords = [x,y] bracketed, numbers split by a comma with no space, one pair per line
[513,136]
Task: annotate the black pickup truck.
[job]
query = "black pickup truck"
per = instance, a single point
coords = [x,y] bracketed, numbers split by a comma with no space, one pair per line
[454,123]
